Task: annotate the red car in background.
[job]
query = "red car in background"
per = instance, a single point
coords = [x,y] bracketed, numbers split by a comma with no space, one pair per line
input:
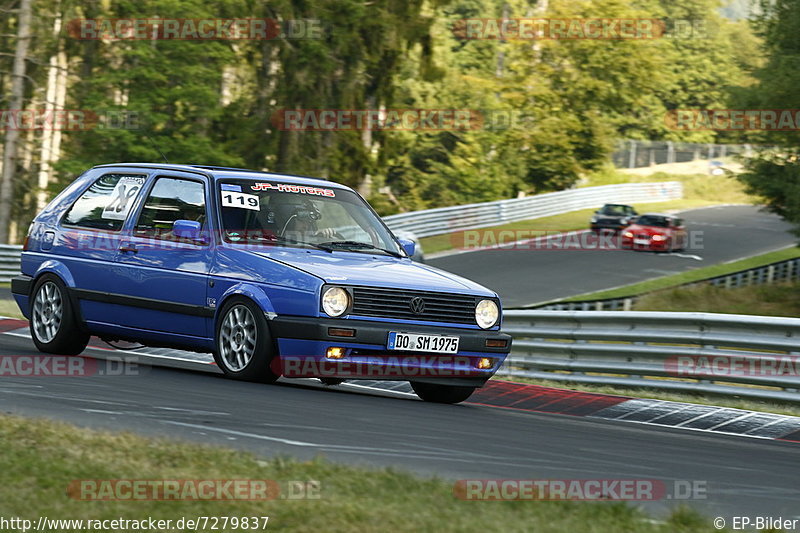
[656,233]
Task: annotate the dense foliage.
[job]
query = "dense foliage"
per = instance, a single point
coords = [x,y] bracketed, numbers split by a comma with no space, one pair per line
[550,110]
[775,176]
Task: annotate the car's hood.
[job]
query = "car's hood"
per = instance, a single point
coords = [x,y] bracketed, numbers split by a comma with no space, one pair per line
[352,268]
[648,230]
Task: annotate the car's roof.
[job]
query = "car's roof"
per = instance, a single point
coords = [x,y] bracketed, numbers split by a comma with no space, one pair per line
[218,172]
[616,205]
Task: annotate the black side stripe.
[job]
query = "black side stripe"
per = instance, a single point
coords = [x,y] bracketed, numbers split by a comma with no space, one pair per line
[144,303]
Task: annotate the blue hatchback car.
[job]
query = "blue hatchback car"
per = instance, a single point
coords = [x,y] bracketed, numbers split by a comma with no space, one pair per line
[275,275]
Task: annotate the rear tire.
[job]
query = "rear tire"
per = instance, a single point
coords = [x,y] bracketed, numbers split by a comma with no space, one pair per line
[244,347]
[441,393]
[54,325]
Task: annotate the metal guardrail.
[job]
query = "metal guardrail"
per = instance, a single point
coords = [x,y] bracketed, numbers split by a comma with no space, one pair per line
[473,216]
[462,217]
[636,153]
[9,261]
[786,270]
[735,355]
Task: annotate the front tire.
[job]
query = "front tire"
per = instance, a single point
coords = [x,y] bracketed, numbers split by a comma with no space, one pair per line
[54,325]
[244,347]
[441,393]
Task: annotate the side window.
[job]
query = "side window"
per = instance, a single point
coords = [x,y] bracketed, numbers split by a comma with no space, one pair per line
[678,222]
[171,199]
[106,204]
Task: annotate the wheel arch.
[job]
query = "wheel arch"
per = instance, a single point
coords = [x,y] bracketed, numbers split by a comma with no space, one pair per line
[62,272]
[251,291]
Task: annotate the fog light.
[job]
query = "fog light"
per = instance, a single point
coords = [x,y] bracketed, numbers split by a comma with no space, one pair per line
[485,363]
[334,352]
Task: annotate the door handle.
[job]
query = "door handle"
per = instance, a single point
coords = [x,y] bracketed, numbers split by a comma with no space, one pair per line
[128,247]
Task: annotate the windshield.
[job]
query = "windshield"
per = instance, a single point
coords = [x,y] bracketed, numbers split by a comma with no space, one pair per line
[273,213]
[650,220]
[615,210]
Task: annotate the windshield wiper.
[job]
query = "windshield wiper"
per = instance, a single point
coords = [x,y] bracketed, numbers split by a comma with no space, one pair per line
[278,238]
[357,245]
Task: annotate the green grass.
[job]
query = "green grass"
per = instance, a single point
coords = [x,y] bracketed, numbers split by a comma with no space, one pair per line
[685,397]
[690,276]
[9,308]
[699,191]
[781,299]
[40,459]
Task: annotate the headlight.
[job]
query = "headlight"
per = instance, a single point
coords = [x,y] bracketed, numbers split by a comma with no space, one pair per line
[487,313]
[628,234]
[594,219]
[659,237]
[335,301]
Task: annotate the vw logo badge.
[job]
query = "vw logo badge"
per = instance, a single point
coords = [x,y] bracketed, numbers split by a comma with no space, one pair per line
[417,305]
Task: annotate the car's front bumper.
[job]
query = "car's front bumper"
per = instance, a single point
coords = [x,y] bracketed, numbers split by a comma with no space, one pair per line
[303,342]
[652,246]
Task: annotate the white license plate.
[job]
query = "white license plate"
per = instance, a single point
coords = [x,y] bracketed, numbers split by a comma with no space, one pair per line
[641,241]
[416,342]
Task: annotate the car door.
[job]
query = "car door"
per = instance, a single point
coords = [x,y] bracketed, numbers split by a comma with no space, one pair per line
[162,278]
[88,237]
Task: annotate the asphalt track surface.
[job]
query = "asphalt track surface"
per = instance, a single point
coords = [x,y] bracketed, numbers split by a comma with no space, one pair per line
[743,476]
[523,276]
[365,427]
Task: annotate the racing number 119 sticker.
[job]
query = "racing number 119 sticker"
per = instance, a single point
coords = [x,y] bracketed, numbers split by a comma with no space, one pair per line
[122,198]
[240,200]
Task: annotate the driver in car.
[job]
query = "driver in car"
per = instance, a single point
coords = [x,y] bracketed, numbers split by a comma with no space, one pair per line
[300,221]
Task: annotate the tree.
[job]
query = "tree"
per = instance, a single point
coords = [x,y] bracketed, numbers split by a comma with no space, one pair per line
[16,105]
[775,174]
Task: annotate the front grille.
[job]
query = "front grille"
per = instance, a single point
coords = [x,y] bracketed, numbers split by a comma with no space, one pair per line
[396,303]
[643,236]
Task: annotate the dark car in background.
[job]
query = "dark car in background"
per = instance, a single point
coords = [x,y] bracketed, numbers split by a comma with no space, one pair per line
[657,233]
[612,217]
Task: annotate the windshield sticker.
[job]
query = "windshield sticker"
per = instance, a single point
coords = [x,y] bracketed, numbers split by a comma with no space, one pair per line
[297,189]
[240,200]
[122,198]
[230,187]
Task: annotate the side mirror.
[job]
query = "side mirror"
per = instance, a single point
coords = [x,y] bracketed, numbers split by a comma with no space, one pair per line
[409,247]
[187,229]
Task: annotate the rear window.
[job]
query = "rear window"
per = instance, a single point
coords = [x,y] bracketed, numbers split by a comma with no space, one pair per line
[106,204]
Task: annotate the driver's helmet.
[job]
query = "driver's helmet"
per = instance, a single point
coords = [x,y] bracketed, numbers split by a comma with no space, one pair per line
[295,215]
